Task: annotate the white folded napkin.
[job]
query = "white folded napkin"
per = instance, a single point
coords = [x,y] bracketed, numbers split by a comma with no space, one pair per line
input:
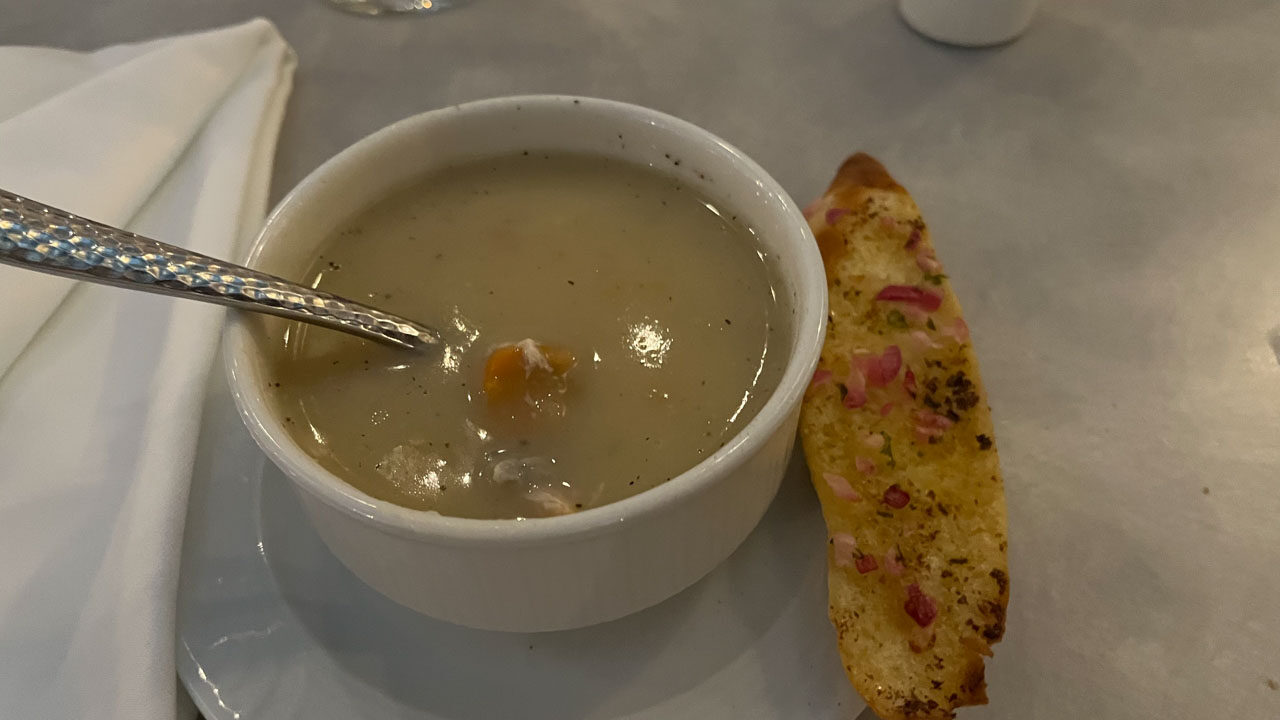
[100,388]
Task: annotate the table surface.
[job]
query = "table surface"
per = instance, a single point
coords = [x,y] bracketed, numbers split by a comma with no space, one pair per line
[1105,193]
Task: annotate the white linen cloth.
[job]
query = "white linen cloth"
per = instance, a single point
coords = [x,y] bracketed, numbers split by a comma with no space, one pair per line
[100,388]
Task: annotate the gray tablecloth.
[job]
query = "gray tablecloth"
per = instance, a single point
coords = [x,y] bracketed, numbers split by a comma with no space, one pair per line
[1105,194]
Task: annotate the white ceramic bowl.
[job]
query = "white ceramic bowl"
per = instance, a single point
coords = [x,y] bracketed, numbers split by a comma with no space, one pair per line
[969,23]
[579,569]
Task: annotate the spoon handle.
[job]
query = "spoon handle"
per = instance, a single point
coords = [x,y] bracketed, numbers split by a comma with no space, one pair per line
[38,237]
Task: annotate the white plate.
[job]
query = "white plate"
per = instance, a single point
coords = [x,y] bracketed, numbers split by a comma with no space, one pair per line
[271,625]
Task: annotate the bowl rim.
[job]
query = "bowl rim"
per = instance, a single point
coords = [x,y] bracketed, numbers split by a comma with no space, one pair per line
[429,525]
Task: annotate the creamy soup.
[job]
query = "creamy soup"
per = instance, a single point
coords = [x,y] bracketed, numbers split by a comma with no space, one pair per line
[635,321]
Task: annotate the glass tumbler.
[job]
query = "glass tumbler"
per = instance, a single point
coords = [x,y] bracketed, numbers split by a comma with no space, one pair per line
[395,7]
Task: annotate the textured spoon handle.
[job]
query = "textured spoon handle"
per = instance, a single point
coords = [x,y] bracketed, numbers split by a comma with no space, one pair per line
[39,237]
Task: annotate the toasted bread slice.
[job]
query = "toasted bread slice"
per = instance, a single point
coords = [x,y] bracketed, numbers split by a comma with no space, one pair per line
[899,442]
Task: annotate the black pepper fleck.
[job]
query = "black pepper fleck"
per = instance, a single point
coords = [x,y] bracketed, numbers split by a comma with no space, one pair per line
[1002,580]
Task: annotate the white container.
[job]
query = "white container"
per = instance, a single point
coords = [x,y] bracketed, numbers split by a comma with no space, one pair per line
[971,23]
[573,570]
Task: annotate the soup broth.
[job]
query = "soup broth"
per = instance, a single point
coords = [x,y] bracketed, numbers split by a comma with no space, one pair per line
[661,303]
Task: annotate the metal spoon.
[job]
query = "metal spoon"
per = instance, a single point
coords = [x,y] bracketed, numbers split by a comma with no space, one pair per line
[38,237]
